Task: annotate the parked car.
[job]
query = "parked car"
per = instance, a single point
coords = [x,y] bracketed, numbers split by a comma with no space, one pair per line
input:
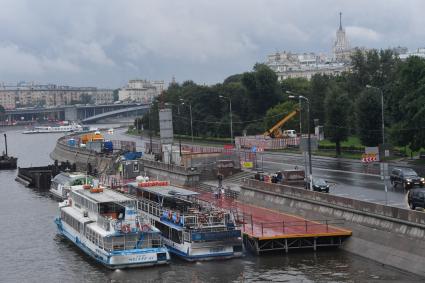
[319,185]
[406,177]
[416,198]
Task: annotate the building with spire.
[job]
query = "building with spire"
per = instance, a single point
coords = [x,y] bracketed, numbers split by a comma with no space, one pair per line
[341,48]
[305,65]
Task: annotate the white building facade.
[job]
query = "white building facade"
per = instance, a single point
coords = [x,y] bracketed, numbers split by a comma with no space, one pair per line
[141,91]
[305,65]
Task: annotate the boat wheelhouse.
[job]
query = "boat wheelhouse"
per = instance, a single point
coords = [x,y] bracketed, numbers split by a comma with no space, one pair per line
[192,229]
[64,182]
[105,225]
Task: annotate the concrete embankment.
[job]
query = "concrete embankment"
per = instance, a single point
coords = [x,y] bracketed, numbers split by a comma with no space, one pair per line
[81,157]
[389,235]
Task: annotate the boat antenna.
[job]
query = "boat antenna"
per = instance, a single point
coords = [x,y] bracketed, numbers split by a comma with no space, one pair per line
[5,142]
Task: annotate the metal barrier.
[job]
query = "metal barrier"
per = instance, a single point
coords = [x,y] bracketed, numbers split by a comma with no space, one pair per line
[406,216]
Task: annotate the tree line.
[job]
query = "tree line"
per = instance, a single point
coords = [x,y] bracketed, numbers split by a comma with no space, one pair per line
[346,104]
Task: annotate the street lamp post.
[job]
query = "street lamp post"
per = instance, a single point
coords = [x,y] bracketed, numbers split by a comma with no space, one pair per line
[383,165]
[191,119]
[310,167]
[231,119]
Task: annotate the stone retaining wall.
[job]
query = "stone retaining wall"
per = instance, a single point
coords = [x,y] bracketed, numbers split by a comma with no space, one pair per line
[389,235]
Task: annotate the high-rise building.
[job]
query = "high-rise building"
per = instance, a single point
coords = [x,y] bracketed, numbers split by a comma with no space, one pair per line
[341,49]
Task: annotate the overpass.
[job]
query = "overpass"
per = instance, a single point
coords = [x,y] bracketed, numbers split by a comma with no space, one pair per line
[120,112]
[66,112]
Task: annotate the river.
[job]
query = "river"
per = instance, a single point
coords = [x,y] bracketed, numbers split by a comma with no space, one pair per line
[31,250]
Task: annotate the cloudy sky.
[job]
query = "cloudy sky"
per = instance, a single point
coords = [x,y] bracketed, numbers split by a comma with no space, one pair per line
[104,42]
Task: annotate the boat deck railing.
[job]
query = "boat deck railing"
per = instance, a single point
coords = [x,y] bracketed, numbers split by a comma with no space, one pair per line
[193,218]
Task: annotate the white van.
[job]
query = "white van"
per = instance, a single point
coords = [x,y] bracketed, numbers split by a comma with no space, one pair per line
[289,134]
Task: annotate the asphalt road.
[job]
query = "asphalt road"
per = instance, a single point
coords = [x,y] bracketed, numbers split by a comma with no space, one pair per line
[348,178]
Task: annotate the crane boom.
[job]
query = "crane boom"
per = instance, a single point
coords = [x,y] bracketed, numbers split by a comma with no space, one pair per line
[275,131]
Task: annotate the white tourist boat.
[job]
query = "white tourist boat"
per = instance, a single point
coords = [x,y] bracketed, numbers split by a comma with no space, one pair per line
[54,129]
[191,229]
[64,182]
[105,225]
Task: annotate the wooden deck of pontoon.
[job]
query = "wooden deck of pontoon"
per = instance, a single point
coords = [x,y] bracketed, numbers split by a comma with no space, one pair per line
[269,230]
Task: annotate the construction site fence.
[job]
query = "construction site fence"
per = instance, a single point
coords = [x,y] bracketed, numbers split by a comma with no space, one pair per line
[261,142]
[169,167]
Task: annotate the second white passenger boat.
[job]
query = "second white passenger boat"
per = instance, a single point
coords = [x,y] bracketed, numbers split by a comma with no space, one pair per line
[192,229]
[105,225]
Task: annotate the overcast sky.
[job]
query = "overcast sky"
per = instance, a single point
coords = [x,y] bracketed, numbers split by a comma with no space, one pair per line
[105,43]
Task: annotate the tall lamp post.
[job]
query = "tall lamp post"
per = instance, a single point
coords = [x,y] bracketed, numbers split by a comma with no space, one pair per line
[383,165]
[191,119]
[310,167]
[231,119]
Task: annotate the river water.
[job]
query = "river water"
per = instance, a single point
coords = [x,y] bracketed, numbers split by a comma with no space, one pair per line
[31,250]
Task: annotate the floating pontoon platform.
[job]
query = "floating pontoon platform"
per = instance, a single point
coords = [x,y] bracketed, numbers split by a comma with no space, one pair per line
[269,230]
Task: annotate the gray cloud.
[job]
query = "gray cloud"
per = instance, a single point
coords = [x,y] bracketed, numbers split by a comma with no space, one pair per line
[105,43]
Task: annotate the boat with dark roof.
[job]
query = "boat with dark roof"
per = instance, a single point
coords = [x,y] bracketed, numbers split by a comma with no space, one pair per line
[192,229]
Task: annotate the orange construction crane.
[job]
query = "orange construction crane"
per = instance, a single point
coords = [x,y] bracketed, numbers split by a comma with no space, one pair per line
[276,130]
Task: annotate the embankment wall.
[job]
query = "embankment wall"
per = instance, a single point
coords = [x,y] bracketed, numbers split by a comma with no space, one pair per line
[389,235]
[81,157]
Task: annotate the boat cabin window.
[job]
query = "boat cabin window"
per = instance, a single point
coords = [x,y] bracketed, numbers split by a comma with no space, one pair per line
[94,237]
[178,204]
[71,221]
[121,242]
[170,233]
[112,209]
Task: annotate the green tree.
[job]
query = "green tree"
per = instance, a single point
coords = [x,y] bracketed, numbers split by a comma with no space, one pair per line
[115,94]
[369,121]
[317,94]
[262,89]
[2,113]
[336,117]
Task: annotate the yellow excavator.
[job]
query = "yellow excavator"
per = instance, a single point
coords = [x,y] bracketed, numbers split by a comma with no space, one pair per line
[276,130]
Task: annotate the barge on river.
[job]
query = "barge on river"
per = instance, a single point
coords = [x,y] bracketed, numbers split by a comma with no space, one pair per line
[6,161]
[105,225]
[191,229]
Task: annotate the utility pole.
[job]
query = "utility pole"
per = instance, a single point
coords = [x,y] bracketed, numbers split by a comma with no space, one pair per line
[293,96]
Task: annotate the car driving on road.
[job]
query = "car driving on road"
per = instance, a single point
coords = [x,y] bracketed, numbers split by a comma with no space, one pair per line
[406,177]
[416,198]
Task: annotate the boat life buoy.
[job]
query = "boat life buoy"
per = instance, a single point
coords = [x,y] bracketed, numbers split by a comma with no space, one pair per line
[125,228]
[144,228]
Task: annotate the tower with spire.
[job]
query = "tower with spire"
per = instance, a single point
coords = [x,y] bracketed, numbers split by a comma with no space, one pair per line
[341,48]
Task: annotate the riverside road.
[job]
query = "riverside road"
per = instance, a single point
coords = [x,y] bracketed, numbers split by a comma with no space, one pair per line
[348,178]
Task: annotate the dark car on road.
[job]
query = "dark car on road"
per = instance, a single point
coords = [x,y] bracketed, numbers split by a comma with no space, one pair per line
[406,177]
[416,198]
[319,185]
